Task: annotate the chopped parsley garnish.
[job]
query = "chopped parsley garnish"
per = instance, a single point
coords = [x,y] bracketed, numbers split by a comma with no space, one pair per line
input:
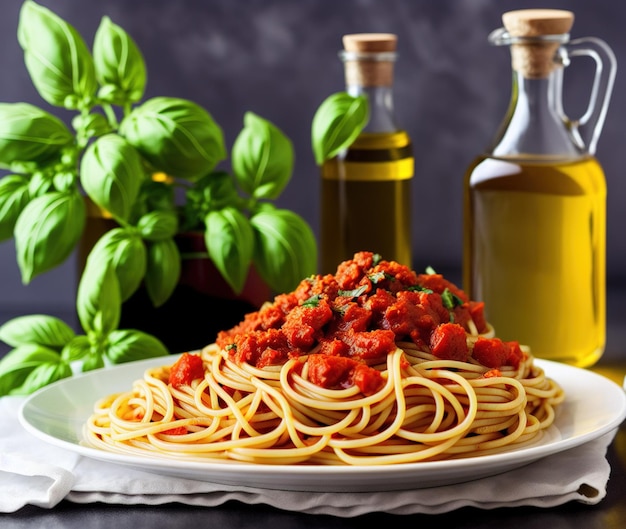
[231,346]
[419,288]
[380,276]
[339,310]
[313,301]
[354,293]
[450,300]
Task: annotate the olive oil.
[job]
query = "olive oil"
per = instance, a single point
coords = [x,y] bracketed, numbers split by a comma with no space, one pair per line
[366,200]
[535,252]
[366,189]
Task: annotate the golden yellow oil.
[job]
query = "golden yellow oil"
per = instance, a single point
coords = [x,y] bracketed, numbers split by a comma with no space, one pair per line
[366,200]
[535,251]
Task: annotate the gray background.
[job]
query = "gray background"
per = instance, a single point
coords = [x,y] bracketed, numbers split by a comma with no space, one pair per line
[278,58]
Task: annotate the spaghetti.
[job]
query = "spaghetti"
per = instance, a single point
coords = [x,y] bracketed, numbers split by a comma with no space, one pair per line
[375,365]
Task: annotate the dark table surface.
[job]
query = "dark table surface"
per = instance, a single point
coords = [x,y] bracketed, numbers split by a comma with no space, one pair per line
[610,513]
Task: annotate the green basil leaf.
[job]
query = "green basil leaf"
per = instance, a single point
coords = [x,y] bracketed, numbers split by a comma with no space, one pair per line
[64,181]
[43,375]
[16,365]
[47,231]
[38,329]
[163,270]
[285,248]
[57,58]
[130,345]
[211,192]
[158,225]
[76,349]
[29,134]
[119,63]
[98,301]
[93,360]
[40,183]
[124,250]
[91,125]
[176,136]
[14,196]
[262,158]
[230,243]
[336,124]
[154,196]
[111,172]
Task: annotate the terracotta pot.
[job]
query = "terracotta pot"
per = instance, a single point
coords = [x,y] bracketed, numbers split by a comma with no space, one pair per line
[202,303]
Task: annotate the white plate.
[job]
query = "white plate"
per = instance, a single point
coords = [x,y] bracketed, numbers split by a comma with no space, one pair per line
[594,405]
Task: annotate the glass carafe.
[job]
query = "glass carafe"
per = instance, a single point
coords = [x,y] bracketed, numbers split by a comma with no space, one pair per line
[535,202]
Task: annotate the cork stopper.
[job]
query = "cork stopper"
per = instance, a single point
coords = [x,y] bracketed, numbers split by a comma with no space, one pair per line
[368,58]
[531,54]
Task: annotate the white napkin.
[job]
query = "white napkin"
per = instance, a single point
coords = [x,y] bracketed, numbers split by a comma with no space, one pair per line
[33,472]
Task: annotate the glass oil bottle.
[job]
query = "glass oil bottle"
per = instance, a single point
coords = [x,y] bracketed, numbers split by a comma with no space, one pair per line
[535,203]
[366,189]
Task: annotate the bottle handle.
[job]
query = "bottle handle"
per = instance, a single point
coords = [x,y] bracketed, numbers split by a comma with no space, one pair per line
[587,128]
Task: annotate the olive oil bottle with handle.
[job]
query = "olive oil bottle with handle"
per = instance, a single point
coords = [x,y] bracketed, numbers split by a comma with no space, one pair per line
[535,203]
[366,188]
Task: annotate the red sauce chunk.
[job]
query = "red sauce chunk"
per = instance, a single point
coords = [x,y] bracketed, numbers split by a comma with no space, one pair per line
[186,369]
[449,342]
[494,353]
[179,430]
[341,372]
[353,319]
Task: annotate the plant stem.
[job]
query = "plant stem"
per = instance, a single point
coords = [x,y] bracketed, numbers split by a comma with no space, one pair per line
[110,114]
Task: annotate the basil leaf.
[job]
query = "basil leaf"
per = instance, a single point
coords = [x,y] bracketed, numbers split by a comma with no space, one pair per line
[93,360]
[76,349]
[211,192]
[41,376]
[337,123]
[47,231]
[158,225]
[156,196]
[14,196]
[125,251]
[163,270]
[90,125]
[130,345]
[98,301]
[29,134]
[40,183]
[57,58]
[176,136]
[119,64]
[285,248]
[38,329]
[16,365]
[262,158]
[230,243]
[111,173]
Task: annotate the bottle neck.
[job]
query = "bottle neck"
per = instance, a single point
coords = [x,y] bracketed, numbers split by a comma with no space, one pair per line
[535,124]
[381,112]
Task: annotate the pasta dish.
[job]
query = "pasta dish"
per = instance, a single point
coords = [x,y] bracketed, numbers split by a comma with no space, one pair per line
[374,365]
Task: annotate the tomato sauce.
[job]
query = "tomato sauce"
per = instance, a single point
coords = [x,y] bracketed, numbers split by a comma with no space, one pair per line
[351,320]
[186,369]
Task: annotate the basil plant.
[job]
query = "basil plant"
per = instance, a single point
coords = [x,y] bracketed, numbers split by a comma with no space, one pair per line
[133,159]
